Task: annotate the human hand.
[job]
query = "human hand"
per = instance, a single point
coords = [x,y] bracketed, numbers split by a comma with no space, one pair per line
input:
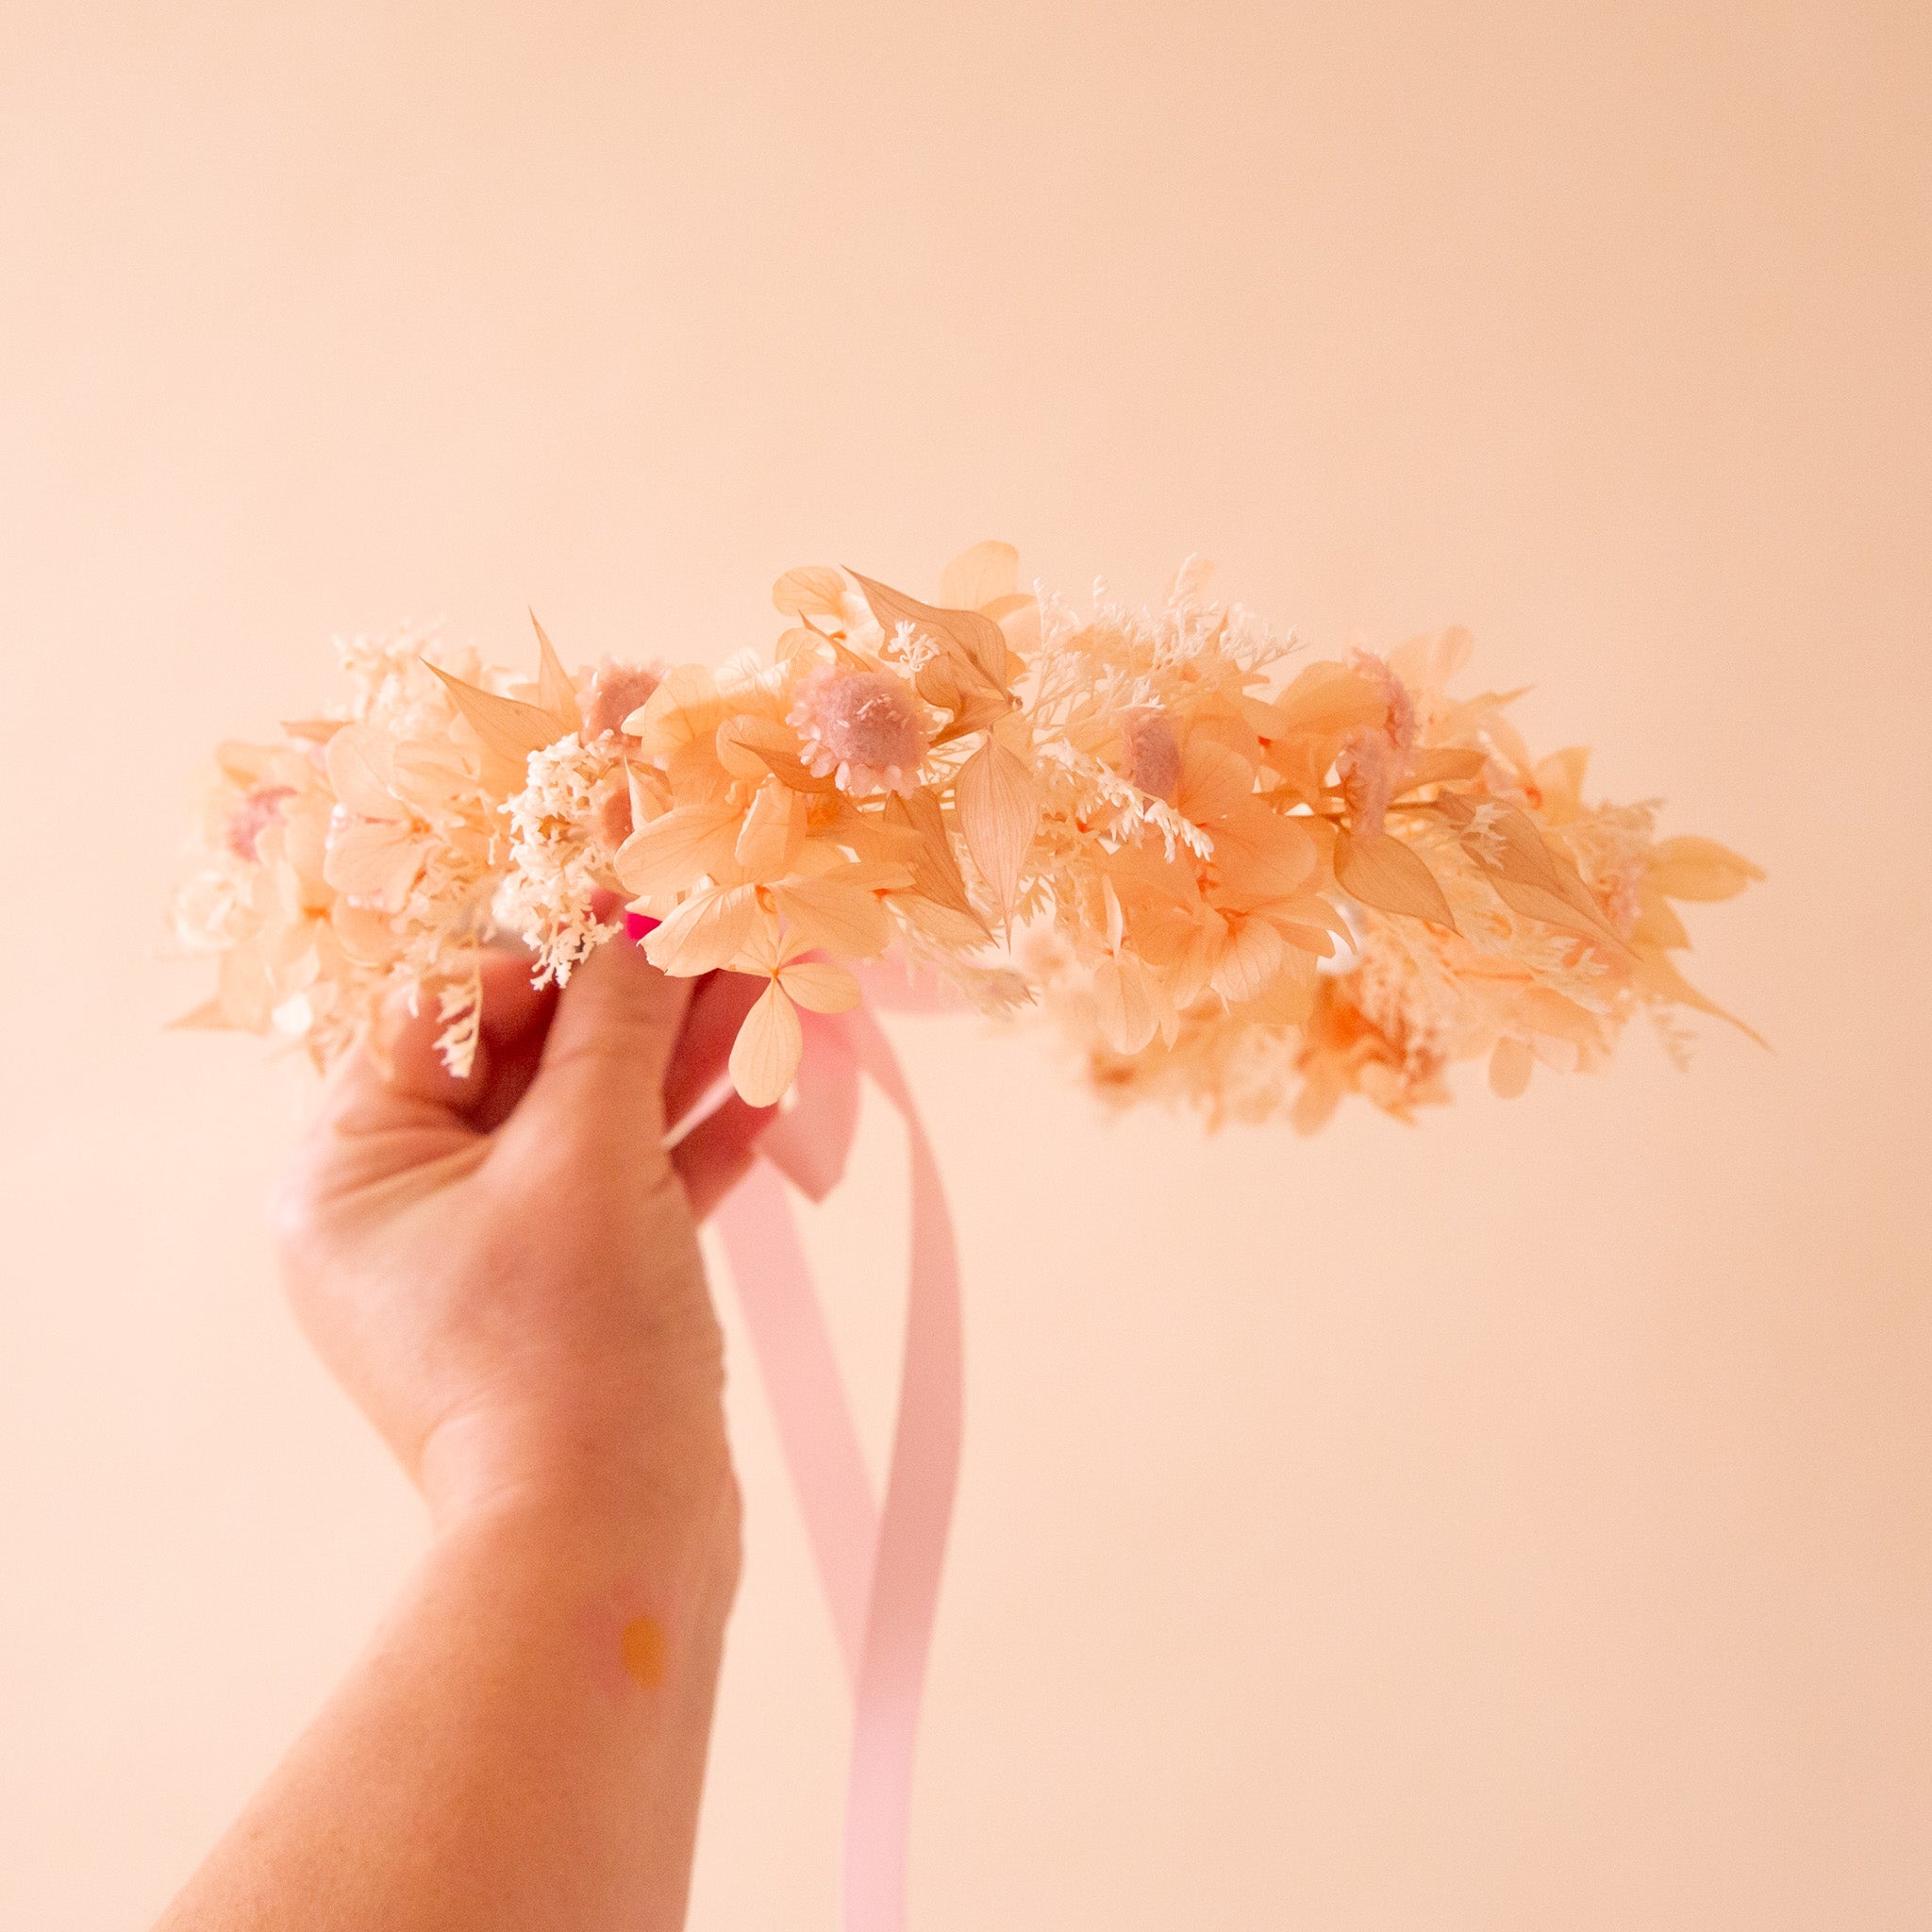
[504,1271]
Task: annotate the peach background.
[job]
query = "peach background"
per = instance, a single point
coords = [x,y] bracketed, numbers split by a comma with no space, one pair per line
[1520,1521]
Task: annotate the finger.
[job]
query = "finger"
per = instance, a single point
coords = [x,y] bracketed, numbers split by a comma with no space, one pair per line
[704,1049]
[713,1157]
[604,1060]
[403,1070]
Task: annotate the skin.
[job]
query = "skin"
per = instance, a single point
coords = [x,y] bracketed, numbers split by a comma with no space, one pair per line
[504,1274]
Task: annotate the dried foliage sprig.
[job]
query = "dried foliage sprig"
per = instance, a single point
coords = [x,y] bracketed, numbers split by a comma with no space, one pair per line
[1250,890]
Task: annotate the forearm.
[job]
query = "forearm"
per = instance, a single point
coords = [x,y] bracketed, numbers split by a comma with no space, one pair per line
[524,1745]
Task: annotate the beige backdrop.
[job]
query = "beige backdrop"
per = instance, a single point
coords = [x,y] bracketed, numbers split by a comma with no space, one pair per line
[1520,1522]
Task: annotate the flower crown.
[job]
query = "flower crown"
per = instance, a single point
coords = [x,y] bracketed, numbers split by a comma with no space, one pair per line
[1252,891]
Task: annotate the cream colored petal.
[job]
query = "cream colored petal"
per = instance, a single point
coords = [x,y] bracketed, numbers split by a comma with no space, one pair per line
[1689,868]
[1125,1003]
[365,935]
[976,576]
[679,848]
[829,914]
[373,858]
[684,710]
[361,768]
[773,832]
[1215,780]
[1262,854]
[1289,998]
[815,589]
[1327,699]
[768,1046]
[1248,962]
[708,930]
[1510,1067]
[820,986]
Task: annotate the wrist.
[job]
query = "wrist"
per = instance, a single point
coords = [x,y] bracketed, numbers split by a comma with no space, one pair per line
[668,1470]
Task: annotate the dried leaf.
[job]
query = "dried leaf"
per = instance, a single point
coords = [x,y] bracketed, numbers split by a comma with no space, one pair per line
[1427,663]
[751,746]
[1380,871]
[768,1048]
[815,589]
[936,873]
[509,729]
[1656,975]
[1532,879]
[944,925]
[556,691]
[1691,867]
[1536,902]
[998,806]
[976,639]
[1560,778]
[1308,909]
[978,709]
[1508,741]
[1549,1015]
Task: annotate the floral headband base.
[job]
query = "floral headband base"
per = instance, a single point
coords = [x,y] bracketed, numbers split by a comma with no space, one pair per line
[1237,881]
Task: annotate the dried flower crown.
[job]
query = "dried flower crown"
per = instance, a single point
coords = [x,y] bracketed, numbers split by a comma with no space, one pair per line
[1253,891]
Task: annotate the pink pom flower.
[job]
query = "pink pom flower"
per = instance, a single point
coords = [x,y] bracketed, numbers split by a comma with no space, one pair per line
[1151,754]
[860,727]
[259,809]
[619,691]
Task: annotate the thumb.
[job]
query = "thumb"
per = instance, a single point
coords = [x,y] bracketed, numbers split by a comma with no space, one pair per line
[603,1065]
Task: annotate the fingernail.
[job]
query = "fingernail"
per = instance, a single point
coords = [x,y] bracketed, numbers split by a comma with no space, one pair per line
[636,924]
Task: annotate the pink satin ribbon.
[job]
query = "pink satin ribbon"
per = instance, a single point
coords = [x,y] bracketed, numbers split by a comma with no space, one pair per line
[880,1567]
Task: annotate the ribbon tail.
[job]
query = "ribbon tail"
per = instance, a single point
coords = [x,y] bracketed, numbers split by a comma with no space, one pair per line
[807,1396]
[880,1569]
[913,1527]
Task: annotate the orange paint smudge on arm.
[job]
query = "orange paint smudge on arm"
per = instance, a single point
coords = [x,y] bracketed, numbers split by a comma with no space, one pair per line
[643,1648]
